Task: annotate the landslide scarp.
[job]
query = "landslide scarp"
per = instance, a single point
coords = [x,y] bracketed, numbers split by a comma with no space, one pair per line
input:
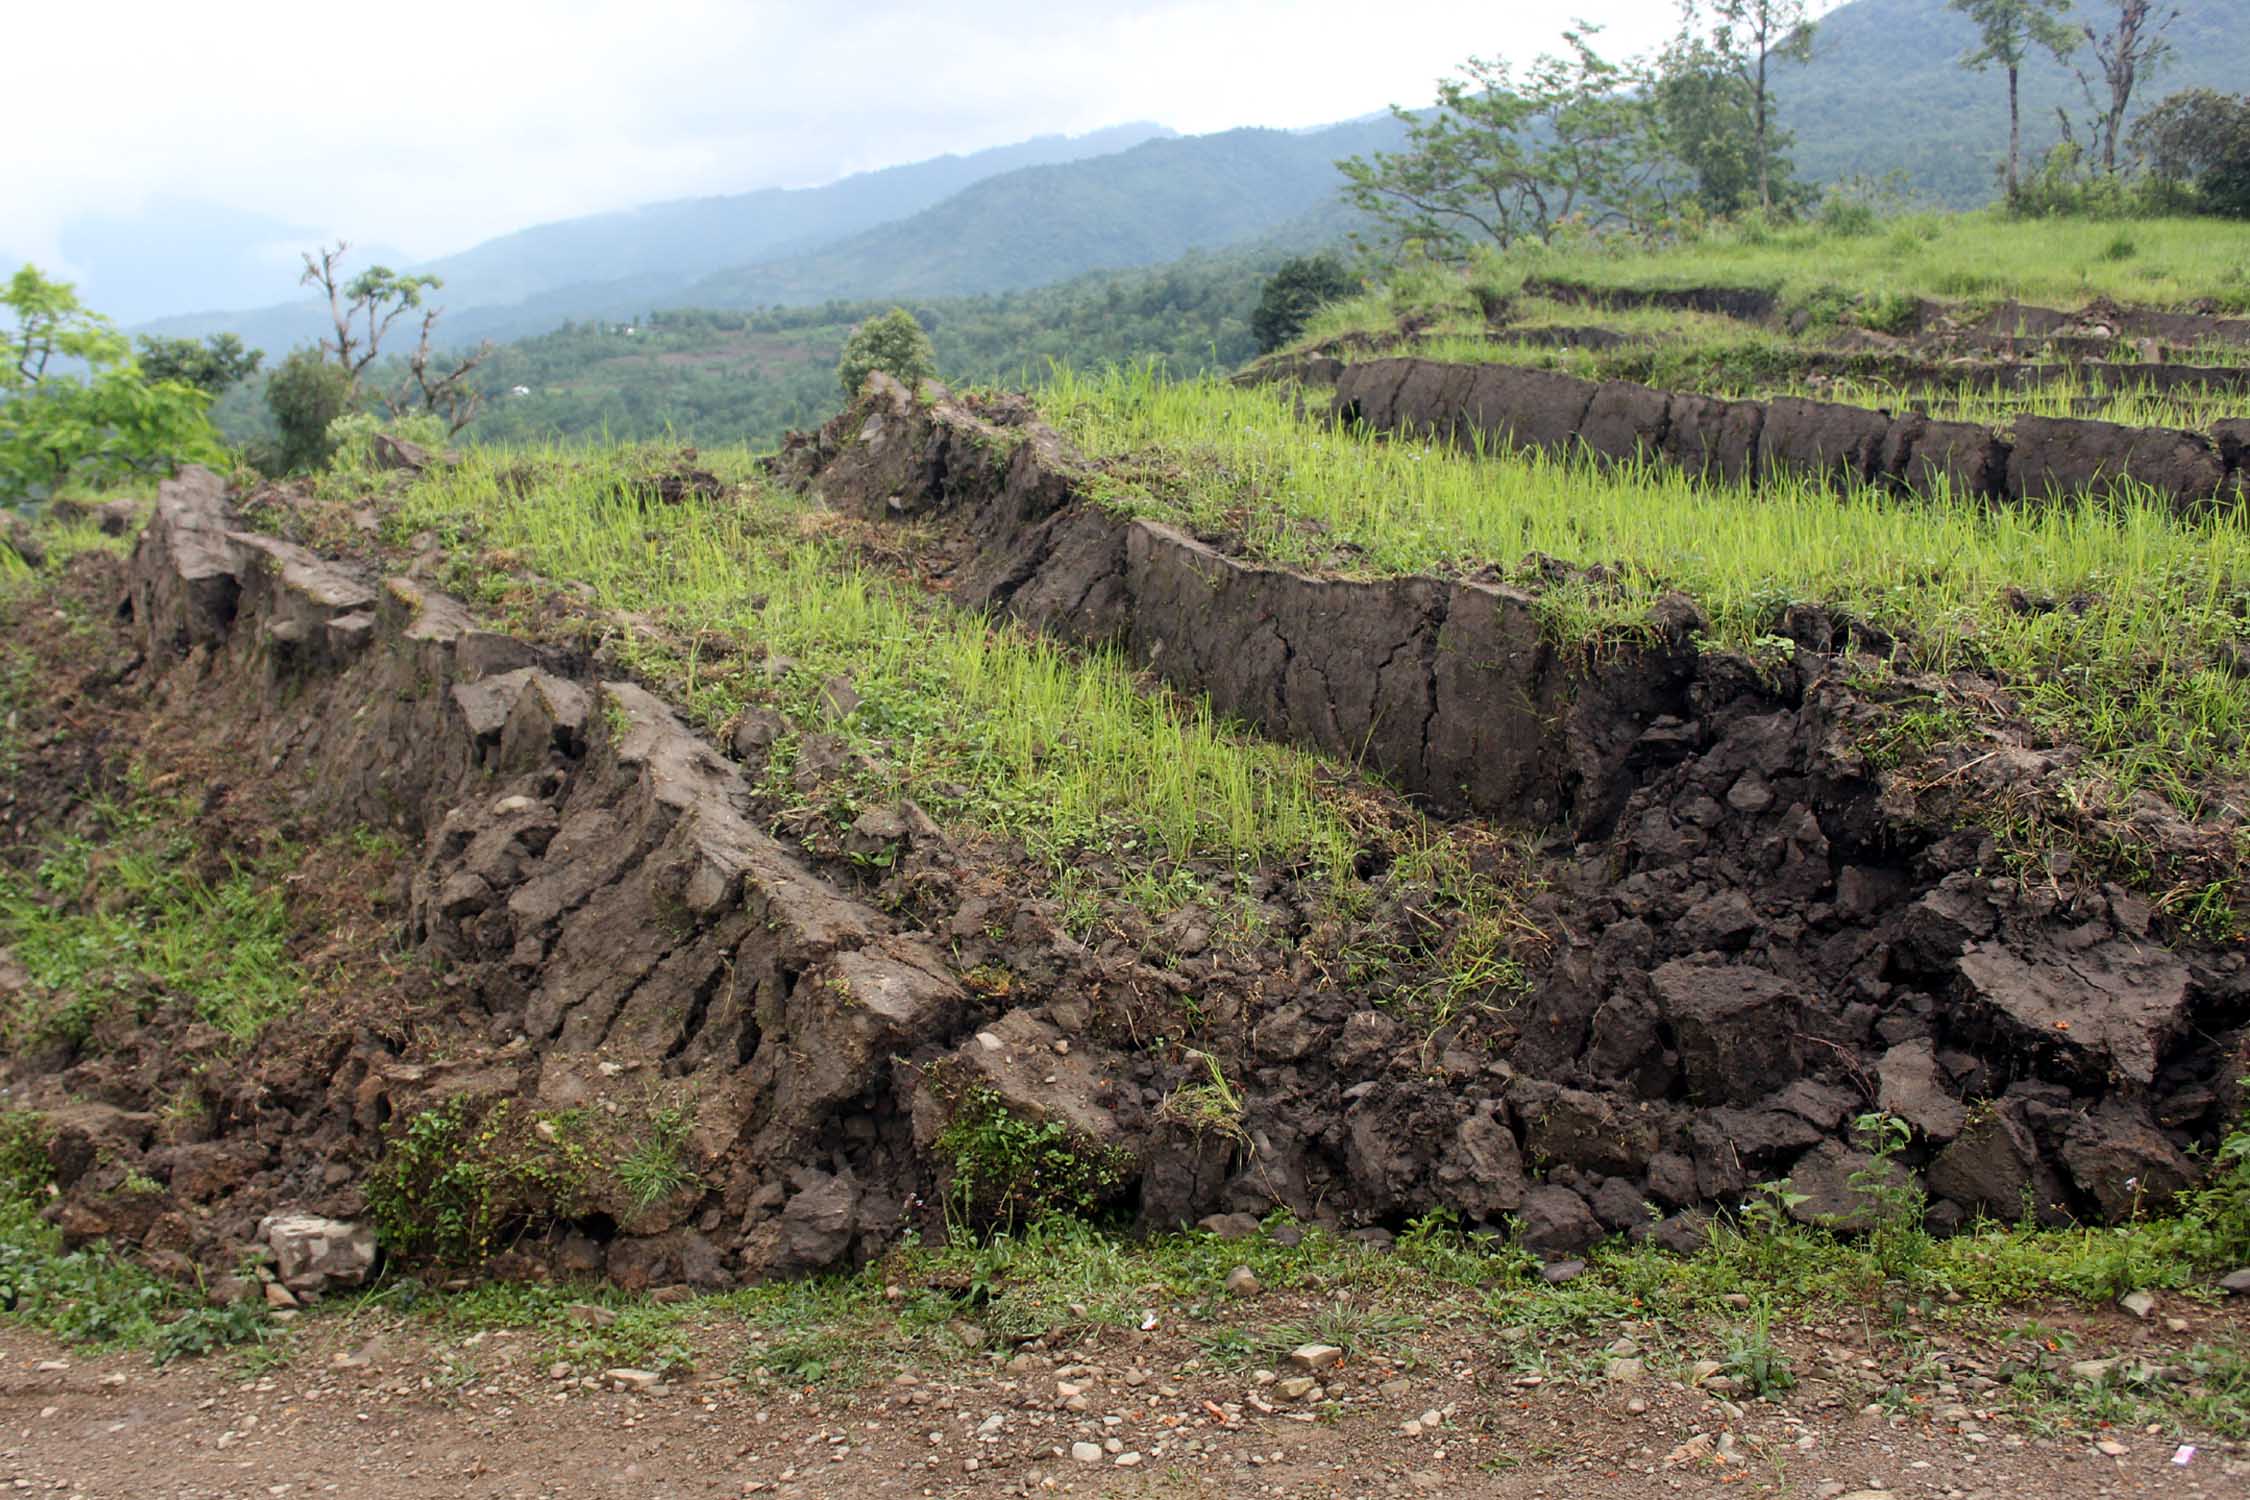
[700,1014]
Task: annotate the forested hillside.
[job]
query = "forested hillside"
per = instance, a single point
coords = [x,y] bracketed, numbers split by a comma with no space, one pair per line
[1019,229]
[693,237]
[718,375]
[1885,92]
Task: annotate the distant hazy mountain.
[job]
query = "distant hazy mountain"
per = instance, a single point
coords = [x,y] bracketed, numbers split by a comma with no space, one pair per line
[641,253]
[696,236]
[1885,92]
[171,255]
[1150,204]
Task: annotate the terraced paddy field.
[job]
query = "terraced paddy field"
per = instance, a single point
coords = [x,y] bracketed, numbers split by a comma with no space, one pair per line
[1039,904]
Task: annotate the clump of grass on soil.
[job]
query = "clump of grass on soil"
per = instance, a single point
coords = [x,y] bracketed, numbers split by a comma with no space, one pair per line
[122,910]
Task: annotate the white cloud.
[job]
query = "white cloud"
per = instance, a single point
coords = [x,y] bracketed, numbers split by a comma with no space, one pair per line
[431,125]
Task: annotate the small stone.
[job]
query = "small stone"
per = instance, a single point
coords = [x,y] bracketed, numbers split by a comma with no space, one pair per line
[1702,1370]
[1432,1420]
[278,1295]
[1315,1356]
[1242,1282]
[2092,1371]
[590,1314]
[2236,1283]
[1412,1427]
[2139,1304]
[1624,1372]
[633,1380]
[1296,1387]
[1556,1272]
[2111,1448]
[1636,1407]
[1128,1460]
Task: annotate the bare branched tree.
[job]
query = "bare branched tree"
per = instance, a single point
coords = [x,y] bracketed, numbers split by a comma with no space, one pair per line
[439,388]
[2134,46]
[364,307]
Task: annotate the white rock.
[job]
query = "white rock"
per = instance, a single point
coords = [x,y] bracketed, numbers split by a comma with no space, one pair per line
[1086,1453]
[310,1251]
[1315,1356]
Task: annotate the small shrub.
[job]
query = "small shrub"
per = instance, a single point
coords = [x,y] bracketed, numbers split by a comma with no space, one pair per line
[306,395]
[1890,312]
[25,1171]
[2120,247]
[1895,1201]
[2218,1211]
[893,343]
[1755,1362]
[1007,1170]
[452,1183]
[1293,292]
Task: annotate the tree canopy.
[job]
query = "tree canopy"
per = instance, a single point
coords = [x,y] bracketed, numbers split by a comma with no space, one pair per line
[75,406]
[1500,159]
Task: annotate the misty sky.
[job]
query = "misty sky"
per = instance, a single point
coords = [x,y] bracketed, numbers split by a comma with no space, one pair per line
[426,126]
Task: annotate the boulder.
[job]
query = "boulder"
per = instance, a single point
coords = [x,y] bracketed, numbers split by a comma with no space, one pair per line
[1823,1179]
[311,1253]
[1914,1088]
[2057,457]
[2123,1162]
[1482,1175]
[1556,1222]
[1993,1167]
[2110,1008]
[1737,1027]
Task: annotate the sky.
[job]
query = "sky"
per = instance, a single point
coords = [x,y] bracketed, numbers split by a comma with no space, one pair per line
[423,127]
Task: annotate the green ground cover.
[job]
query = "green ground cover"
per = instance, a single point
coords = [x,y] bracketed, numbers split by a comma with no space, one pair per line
[120,910]
[2135,673]
[1758,366]
[980,722]
[1981,257]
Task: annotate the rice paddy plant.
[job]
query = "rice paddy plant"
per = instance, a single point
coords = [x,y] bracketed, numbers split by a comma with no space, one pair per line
[2113,621]
[977,720]
[1985,256]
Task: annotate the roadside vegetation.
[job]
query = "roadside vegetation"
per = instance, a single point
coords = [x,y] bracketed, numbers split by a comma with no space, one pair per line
[2015,1295]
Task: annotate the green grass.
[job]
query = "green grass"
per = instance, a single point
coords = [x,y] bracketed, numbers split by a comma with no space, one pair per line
[2134,675]
[122,913]
[1764,366]
[1983,257]
[978,721]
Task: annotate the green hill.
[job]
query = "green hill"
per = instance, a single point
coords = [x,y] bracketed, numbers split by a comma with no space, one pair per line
[1885,92]
[1140,207]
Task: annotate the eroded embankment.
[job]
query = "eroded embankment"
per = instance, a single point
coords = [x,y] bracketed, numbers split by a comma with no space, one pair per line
[1755,938]
[1759,936]
[1495,407]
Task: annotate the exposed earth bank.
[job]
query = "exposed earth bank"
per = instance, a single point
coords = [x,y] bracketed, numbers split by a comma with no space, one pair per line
[1756,933]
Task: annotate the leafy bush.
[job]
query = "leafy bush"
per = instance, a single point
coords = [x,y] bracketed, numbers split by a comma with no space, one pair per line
[452,1182]
[1007,1170]
[75,407]
[2196,145]
[893,343]
[1292,292]
[306,395]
